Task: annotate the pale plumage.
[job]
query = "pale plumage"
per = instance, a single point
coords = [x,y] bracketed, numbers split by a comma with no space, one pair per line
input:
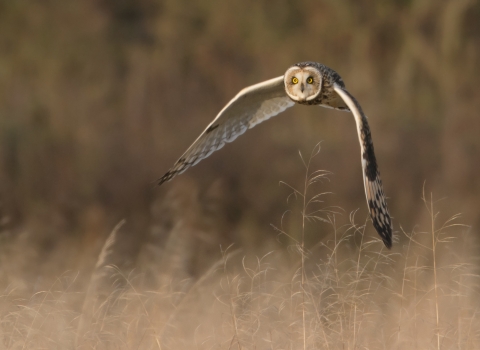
[307,83]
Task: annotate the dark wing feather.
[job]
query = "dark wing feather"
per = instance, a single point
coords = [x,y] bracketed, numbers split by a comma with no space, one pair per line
[376,200]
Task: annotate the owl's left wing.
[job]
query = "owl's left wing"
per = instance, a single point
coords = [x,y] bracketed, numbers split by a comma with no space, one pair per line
[376,201]
[250,107]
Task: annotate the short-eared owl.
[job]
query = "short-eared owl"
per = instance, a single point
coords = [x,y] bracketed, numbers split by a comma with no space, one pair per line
[307,83]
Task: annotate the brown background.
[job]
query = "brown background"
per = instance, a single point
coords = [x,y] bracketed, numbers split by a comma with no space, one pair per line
[99,98]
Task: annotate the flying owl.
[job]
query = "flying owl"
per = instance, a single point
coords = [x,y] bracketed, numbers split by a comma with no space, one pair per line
[307,83]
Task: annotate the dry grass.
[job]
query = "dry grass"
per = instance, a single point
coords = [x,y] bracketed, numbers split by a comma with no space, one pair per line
[345,297]
[342,291]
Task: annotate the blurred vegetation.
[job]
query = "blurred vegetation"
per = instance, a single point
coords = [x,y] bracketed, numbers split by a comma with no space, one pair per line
[95,97]
[332,295]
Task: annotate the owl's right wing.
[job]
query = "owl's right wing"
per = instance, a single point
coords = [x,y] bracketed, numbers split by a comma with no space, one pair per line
[250,107]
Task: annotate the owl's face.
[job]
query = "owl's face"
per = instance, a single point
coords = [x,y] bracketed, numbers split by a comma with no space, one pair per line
[303,83]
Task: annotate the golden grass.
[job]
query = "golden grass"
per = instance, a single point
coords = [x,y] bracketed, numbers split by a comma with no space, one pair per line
[344,291]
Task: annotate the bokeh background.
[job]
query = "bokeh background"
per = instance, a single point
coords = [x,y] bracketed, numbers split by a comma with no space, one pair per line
[99,98]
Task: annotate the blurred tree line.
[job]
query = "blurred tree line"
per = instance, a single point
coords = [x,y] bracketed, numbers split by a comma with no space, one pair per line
[99,98]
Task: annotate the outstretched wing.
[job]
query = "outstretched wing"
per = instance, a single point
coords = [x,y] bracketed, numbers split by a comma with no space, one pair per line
[250,107]
[371,175]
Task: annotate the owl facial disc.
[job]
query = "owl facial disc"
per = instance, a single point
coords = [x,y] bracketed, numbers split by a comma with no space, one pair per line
[302,84]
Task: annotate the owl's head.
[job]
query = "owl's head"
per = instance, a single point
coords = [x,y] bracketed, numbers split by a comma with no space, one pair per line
[303,83]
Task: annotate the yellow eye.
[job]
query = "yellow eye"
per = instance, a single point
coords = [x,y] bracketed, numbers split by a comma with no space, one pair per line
[295,80]
[310,80]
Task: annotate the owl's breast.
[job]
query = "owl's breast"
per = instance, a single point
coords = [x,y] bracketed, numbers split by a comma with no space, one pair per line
[326,95]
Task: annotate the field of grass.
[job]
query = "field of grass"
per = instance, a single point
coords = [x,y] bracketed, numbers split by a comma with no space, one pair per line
[327,283]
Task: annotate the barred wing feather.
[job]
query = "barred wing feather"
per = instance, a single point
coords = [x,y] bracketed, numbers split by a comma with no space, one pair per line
[376,200]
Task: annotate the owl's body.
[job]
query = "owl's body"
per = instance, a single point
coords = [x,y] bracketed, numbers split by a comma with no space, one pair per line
[307,83]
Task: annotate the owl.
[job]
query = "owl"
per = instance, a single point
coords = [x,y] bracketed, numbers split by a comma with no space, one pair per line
[307,83]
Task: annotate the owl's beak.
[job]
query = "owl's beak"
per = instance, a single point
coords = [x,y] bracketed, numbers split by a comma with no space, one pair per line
[302,87]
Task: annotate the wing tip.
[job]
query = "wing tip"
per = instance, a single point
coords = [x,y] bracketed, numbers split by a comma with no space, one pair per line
[385,232]
[387,240]
[167,177]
